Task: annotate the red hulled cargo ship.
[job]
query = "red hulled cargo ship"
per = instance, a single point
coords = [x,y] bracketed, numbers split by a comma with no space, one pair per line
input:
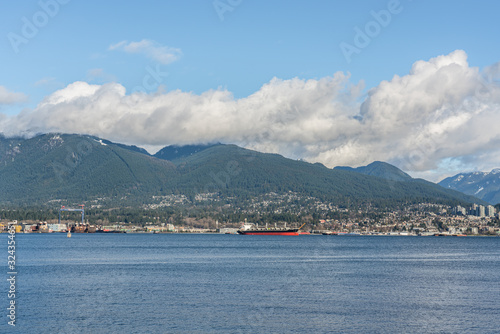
[251,229]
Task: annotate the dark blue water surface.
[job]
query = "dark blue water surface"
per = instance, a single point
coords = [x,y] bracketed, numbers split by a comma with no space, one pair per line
[144,283]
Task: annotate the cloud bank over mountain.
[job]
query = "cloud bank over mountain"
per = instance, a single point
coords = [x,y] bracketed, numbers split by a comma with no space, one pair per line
[441,117]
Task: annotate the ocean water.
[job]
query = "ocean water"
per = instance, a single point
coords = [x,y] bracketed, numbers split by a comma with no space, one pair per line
[158,283]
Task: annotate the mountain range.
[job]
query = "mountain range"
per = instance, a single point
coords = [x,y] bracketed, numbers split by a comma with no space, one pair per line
[380,169]
[483,185]
[57,168]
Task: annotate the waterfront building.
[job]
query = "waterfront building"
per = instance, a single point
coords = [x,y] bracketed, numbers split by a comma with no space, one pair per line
[490,211]
[473,210]
[459,210]
[57,227]
[481,211]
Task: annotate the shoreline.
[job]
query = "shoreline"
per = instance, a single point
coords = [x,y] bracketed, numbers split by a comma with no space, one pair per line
[310,234]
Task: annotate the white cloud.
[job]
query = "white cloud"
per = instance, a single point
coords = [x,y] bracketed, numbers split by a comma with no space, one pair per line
[443,114]
[151,49]
[45,81]
[8,97]
[98,75]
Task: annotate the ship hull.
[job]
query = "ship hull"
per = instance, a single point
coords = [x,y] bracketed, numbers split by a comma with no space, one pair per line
[78,229]
[269,232]
[91,229]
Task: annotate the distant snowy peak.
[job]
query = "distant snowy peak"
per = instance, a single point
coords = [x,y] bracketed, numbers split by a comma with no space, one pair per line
[483,185]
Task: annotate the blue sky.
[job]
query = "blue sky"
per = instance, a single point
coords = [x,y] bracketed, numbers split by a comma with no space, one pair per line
[254,42]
